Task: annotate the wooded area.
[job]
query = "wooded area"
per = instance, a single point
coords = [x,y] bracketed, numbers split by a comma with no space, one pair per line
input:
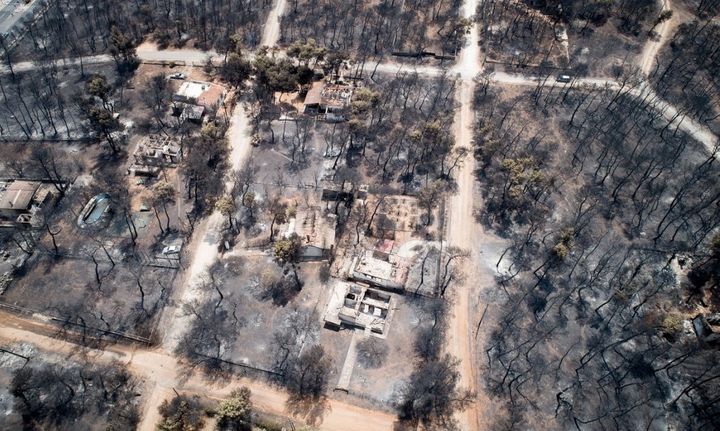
[630,13]
[74,396]
[609,209]
[688,71]
[90,27]
[376,28]
[585,37]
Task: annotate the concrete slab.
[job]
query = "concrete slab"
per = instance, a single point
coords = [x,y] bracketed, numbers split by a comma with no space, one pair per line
[350,360]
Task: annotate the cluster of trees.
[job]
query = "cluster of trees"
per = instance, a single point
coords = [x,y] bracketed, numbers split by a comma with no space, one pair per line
[34,104]
[204,155]
[298,362]
[431,395]
[688,71]
[372,352]
[144,291]
[631,13]
[301,364]
[96,108]
[216,321]
[90,27]
[377,29]
[281,75]
[50,396]
[42,103]
[282,285]
[510,27]
[186,413]
[38,102]
[181,413]
[706,8]
[399,134]
[157,97]
[214,324]
[597,207]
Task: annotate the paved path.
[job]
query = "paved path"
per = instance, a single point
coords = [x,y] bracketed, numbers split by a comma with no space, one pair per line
[350,360]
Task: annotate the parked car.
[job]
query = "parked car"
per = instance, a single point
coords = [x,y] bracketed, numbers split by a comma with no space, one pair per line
[171,249]
[177,75]
[564,78]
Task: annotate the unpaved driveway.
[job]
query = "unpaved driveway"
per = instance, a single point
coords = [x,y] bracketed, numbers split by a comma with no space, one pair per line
[652,47]
[271,33]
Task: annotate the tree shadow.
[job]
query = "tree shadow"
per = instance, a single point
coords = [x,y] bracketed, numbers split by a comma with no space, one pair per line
[404,425]
[310,409]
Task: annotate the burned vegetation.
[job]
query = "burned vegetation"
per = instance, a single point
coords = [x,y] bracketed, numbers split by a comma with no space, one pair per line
[587,37]
[400,132]
[417,28]
[611,213]
[74,28]
[45,394]
[687,71]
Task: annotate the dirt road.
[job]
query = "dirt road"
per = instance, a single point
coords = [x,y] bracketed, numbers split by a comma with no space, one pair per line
[461,233]
[162,374]
[208,234]
[461,223]
[206,252]
[652,48]
[149,52]
[392,68]
[271,34]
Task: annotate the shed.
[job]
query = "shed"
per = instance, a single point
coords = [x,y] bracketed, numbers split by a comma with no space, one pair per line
[313,99]
[17,197]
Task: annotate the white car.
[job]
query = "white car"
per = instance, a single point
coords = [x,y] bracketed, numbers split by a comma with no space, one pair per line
[177,75]
[171,249]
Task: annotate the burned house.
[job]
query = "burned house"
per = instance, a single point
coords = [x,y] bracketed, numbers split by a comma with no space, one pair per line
[194,98]
[21,200]
[205,94]
[331,102]
[153,153]
[358,306]
[192,113]
[316,232]
[386,271]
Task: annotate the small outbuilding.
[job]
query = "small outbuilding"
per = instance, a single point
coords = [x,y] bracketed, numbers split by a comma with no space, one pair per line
[20,200]
[17,197]
[330,102]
